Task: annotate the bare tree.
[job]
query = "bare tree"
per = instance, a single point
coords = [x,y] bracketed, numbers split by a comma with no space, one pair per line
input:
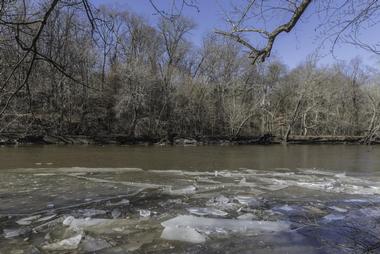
[341,21]
[173,34]
[240,25]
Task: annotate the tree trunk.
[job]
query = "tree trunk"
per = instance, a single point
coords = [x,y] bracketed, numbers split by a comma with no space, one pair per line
[293,119]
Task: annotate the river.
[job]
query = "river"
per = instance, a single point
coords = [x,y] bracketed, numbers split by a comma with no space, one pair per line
[190,199]
[352,158]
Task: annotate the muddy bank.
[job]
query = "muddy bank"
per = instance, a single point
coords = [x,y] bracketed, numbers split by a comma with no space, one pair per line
[15,139]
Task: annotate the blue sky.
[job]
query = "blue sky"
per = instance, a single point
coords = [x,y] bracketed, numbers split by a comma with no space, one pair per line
[292,48]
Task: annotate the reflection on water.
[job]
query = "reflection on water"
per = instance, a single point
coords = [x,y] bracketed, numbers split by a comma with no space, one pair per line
[271,199]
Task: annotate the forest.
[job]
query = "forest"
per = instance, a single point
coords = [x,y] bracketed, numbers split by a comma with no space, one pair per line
[76,72]
[140,126]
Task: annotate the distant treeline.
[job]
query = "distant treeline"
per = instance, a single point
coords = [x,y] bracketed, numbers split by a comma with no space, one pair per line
[139,79]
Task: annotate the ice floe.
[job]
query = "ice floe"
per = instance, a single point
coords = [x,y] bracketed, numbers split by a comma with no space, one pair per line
[212,224]
[66,244]
[203,211]
[182,234]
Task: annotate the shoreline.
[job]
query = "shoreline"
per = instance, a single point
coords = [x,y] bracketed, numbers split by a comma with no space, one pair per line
[11,139]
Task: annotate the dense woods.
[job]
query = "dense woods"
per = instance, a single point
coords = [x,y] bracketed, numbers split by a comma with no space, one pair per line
[120,74]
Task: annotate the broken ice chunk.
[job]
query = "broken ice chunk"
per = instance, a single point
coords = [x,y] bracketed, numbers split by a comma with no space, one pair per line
[222,202]
[333,217]
[144,213]
[80,224]
[67,221]
[356,200]
[90,212]
[121,202]
[290,210]
[247,216]
[202,211]
[338,209]
[183,191]
[48,224]
[66,244]
[91,244]
[10,233]
[243,182]
[340,175]
[222,199]
[182,234]
[98,226]
[88,222]
[46,218]
[206,180]
[28,220]
[213,225]
[248,201]
[115,213]
[285,208]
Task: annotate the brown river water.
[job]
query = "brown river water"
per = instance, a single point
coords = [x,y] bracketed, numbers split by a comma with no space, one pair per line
[190,199]
[352,158]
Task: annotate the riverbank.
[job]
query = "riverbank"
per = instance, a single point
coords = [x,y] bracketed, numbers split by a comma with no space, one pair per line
[22,139]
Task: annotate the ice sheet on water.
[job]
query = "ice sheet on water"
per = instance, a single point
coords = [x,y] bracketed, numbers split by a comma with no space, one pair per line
[95,225]
[287,209]
[187,190]
[90,212]
[49,223]
[207,180]
[249,201]
[28,220]
[272,180]
[203,211]
[313,171]
[96,170]
[182,234]
[274,187]
[45,174]
[14,232]
[90,244]
[66,244]
[121,202]
[320,180]
[46,218]
[243,182]
[247,216]
[212,224]
[49,170]
[131,184]
[338,209]
[169,171]
[333,217]
[107,226]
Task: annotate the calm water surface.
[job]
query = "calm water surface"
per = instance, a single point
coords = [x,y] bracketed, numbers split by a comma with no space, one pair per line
[350,158]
